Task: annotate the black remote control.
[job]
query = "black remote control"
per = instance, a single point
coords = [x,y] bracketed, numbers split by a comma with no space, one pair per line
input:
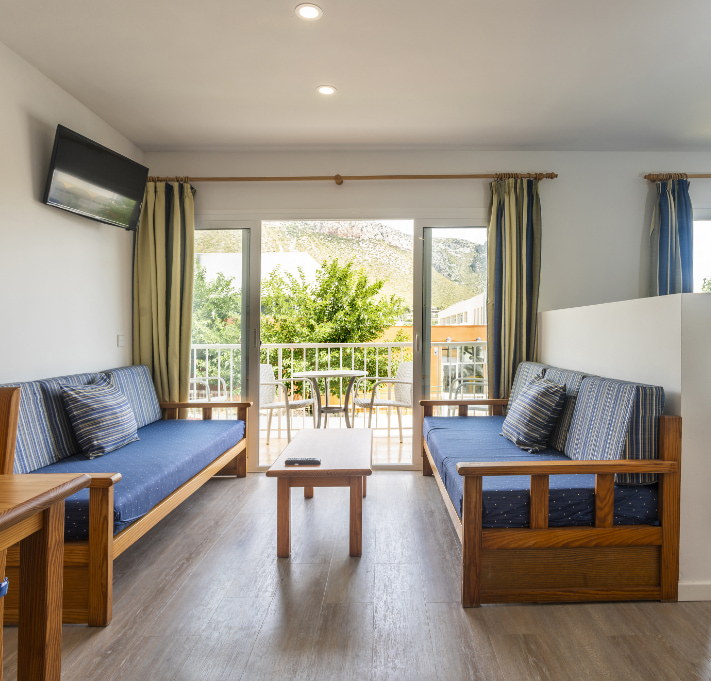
[301,461]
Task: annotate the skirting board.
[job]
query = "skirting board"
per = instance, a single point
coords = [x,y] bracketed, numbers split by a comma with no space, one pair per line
[695,591]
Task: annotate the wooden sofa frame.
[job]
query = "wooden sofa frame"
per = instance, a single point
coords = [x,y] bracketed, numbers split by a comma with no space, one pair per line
[539,564]
[88,565]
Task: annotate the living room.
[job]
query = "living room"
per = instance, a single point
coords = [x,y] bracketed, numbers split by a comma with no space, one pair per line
[203,594]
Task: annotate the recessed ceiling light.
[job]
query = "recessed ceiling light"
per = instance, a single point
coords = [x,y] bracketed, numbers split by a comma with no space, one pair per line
[326,89]
[308,11]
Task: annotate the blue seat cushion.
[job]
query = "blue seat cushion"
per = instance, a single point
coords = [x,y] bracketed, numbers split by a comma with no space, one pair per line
[167,455]
[506,500]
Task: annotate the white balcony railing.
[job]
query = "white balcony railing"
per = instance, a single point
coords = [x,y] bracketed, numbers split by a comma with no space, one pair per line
[457,368]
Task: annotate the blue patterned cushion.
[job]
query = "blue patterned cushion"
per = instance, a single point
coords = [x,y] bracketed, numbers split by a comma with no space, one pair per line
[33,448]
[136,383]
[63,440]
[601,419]
[525,373]
[101,417]
[643,434]
[572,380]
[531,419]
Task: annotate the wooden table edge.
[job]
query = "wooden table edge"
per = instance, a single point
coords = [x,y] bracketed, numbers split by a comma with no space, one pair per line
[43,500]
[304,472]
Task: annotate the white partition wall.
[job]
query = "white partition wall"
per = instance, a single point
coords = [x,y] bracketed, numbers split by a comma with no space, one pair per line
[664,341]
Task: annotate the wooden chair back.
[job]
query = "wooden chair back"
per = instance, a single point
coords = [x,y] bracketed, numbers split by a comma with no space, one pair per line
[9,413]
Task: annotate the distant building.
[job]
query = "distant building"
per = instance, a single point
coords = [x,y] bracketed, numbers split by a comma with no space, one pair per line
[470,311]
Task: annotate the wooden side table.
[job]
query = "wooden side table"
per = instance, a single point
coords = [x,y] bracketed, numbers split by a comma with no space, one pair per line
[345,462]
[32,512]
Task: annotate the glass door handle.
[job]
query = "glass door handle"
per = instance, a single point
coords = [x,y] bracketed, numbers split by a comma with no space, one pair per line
[418,343]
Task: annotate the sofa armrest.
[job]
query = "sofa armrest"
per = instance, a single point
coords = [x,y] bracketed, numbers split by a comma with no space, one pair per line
[207,407]
[496,407]
[103,479]
[483,468]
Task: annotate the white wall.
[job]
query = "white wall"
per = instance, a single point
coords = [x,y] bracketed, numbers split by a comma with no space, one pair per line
[596,215]
[663,341]
[65,281]
[695,580]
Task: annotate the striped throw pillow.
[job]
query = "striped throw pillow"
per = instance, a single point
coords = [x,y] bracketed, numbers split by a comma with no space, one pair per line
[101,417]
[532,417]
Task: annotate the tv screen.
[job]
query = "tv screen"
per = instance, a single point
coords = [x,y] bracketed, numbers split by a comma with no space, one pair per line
[91,180]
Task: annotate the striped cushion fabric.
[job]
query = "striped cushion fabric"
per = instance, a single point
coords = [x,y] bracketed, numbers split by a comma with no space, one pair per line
[533,416]
[136,384]
[33,447]
[101,417]
[643,433]
[601,419]
[572,380]
[525,373]
[64,443]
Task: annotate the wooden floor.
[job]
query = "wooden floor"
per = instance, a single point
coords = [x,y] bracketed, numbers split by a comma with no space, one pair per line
[203,597]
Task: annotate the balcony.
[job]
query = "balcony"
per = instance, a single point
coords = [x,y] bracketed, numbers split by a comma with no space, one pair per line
[457,369]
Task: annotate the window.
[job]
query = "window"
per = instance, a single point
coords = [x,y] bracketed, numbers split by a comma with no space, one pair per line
[702,256]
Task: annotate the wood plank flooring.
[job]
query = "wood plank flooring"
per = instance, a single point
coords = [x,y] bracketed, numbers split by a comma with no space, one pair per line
[202,597]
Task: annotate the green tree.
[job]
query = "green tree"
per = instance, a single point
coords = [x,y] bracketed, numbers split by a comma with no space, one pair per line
[341,306]
[216,308]
[216,320]
[706,286]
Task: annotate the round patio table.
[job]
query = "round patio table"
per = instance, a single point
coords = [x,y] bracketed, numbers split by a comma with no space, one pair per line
[328,374]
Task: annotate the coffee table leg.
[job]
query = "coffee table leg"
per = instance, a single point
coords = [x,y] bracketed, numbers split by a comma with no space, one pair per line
[283,518]
[39,648]
[365,480]
[308,492]
[356,539]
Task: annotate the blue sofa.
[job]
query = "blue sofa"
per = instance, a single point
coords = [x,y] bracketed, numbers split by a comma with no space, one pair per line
[133,487]
[595,497]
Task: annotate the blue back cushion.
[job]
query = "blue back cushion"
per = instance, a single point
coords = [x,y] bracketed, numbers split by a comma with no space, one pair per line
[33,448]
[136,384]
[101,417]
[44,433]
[532,417]
[572,380]
[525,373]
[643,434]
[64,442]
[601,419]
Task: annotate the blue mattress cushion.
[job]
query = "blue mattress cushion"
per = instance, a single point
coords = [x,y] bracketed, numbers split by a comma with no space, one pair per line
[572,380]
[167,455]
[642,440]
[506,500]
[525,373]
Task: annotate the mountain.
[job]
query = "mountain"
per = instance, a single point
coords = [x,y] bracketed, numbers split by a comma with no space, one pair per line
[383,251]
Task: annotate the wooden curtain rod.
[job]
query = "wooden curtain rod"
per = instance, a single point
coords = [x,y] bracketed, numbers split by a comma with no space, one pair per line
[340,179]
[663,177]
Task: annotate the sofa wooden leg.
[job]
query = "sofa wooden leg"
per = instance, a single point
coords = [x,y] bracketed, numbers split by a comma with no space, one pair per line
[101,555]
[471,542]
[426,467]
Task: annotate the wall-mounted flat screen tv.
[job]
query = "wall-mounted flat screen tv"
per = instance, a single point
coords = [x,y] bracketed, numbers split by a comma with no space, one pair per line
[91,180]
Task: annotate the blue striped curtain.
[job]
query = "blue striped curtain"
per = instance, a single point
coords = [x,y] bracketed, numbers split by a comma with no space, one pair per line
[672,239]
[514,256]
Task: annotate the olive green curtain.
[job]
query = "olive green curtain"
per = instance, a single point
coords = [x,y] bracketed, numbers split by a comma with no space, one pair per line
[514,273]
[163,287]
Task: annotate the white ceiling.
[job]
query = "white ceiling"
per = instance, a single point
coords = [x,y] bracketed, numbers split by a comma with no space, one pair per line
[499,74]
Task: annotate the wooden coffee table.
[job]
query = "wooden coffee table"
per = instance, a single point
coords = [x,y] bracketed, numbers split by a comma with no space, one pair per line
[345,462]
